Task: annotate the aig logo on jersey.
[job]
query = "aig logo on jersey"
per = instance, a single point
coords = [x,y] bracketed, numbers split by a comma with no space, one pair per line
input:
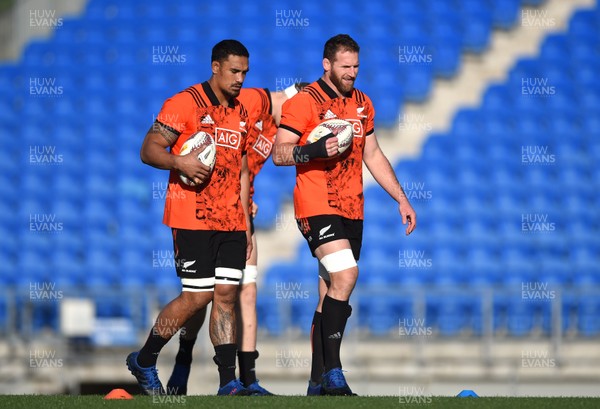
[357,127]
[228,138]
[263,146]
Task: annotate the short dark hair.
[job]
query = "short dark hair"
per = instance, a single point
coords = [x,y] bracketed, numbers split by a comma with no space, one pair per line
[340,42]
[225,48]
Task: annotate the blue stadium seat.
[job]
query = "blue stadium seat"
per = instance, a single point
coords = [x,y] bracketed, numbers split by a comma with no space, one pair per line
[496,97]
[482,265]
[381,313]
[446,50]
[454,315]
[417,82]
[520,316]
[303,305]
[505,13]
[269,314]
[588,315]
[554,47]
[476,25]
[102,269]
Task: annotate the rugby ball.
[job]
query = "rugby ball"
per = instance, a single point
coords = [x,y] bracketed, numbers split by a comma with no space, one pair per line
[339,128]
[204,145]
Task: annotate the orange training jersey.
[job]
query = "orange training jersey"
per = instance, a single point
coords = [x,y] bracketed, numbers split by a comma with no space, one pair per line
[332,186]
[261,129]
[216,204]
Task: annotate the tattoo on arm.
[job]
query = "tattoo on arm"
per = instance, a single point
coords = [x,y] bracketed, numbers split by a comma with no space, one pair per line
[168,133]
[222,326]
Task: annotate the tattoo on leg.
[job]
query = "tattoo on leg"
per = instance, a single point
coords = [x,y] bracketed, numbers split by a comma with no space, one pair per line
[222,326]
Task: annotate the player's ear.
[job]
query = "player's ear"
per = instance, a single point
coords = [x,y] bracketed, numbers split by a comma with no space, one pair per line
[326,64]
[216,66]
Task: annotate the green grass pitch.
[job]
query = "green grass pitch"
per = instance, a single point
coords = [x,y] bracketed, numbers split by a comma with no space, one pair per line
[325,402]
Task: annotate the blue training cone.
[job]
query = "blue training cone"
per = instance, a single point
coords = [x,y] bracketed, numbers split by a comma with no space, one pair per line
[467,393]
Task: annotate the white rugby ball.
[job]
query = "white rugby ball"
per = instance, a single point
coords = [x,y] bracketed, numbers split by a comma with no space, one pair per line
[205,145]
[340,128]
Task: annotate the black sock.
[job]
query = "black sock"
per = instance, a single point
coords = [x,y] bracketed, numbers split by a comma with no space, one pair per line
[334,317]
[247,362]
[184,355]
[149,352]
[225,359]
[316,342]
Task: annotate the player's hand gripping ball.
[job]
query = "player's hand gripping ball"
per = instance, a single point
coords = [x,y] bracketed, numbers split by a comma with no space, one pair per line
[339,128]
[204,145]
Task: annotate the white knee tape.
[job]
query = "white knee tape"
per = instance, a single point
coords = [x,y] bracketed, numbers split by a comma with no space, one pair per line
[224,275]
[249,274]
[197,285]
[338,261]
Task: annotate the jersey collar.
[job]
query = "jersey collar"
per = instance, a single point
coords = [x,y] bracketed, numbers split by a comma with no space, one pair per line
[330,92]
[212,97]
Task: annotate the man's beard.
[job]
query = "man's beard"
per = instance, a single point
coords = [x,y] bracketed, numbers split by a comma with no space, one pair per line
[229,93]
[342,88]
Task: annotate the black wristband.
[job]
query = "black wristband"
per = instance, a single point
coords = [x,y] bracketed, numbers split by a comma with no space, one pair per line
[306,153]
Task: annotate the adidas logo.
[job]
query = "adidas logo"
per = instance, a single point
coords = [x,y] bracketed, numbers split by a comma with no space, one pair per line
[329,115]
[207,120]
[337,335]
[258,124]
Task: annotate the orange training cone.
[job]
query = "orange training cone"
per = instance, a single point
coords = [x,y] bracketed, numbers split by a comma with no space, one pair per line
[118,394]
